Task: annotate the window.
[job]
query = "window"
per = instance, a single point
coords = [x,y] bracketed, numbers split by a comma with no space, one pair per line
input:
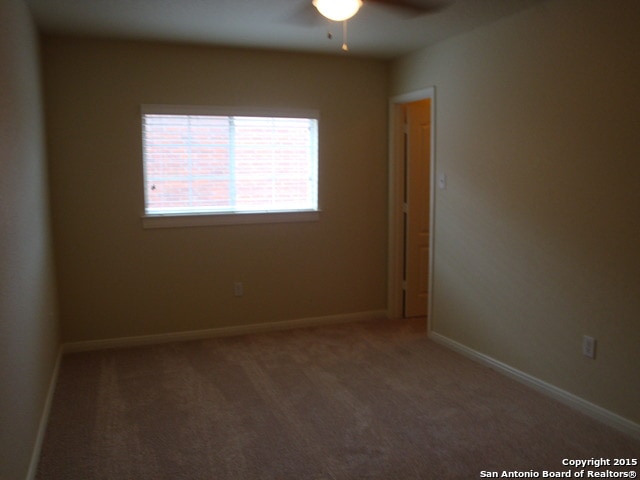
[206,162]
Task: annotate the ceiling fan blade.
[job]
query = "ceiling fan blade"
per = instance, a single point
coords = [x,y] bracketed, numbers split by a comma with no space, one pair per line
[414,7]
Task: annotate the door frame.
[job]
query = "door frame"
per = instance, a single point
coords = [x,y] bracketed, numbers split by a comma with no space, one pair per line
[396,201]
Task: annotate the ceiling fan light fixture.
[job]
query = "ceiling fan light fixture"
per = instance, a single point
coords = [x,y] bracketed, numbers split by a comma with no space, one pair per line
[338,10]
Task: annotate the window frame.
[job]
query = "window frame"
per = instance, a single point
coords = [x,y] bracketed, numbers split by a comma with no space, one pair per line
[195,219]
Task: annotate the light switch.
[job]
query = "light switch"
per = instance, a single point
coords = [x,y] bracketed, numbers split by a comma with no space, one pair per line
[442,181]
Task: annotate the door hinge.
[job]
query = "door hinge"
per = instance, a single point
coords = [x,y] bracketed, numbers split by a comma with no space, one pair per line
[404,285]
[405,208]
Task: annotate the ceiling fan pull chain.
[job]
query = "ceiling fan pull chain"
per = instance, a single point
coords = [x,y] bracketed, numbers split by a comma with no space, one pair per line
[344,36]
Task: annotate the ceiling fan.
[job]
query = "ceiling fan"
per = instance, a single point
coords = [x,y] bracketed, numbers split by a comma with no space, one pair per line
[340,10]
[343,10]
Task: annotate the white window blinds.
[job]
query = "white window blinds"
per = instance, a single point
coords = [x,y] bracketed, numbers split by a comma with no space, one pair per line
[206,163]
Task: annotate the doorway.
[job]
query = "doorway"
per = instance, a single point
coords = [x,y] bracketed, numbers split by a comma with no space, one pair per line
[411,205]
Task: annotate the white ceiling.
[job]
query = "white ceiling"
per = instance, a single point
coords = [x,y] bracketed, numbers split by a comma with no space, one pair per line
[375,31]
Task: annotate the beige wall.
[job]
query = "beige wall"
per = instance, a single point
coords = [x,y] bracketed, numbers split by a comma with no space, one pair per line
[117,279]
[28,336]
[538,232]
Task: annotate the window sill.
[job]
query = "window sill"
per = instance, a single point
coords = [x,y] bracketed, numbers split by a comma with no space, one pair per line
[203,220]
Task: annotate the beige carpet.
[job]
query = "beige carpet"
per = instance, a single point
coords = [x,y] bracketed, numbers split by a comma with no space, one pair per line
[360,401]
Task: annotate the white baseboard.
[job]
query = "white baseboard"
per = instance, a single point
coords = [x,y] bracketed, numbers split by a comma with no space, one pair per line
[44,419]
[594,411]
[220,331]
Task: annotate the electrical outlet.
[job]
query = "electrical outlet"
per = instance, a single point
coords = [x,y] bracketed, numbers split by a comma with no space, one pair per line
[589,346]
[238,289]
